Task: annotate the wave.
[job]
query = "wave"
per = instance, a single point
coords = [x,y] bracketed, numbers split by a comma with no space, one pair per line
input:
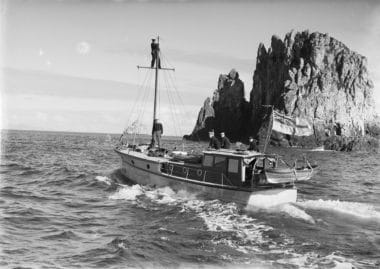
[361,210]
[294,212]
[61,235]
[233,228]
[103,179]
[127,193]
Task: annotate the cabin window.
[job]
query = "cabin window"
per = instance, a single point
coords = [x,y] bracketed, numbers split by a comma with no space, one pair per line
[220,161]
[208,160]
[233,166]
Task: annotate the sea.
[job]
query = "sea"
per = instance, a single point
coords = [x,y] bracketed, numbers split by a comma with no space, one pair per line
[65,204]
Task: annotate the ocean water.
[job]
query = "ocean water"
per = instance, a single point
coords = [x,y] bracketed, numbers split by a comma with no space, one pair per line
[65,204]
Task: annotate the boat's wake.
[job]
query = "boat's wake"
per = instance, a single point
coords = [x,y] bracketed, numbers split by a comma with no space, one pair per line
[103,179]
[243,232]
[359,210]
[294,212]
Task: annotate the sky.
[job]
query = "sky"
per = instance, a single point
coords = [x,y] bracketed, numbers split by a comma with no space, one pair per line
[70,65]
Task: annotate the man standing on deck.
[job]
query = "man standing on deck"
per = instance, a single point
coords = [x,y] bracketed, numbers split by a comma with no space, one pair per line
[226,144]
[214,142]
[252,144]
[157,131]
[155,53]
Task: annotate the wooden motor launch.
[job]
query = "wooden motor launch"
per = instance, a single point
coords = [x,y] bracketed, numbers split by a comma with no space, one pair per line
[248,178]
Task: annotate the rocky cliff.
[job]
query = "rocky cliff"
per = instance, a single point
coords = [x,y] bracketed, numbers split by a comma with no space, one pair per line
[227,111]
[308,75]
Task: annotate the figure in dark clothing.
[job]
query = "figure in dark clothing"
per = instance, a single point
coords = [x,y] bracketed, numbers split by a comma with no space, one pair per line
[253,144]
[157,131]
[214,142]
[155,54]
[225,142]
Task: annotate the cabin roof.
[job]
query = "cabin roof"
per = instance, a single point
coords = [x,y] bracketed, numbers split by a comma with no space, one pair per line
[236,153]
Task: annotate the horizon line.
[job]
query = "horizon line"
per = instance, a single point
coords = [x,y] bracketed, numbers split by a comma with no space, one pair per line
[75,132]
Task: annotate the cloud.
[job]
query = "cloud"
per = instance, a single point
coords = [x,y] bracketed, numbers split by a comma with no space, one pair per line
[83,48]
[40,116]
[38,83]
[48,63]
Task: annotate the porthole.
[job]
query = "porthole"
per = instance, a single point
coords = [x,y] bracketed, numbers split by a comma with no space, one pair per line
[148,166]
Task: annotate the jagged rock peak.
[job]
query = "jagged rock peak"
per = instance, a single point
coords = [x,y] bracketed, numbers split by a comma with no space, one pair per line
[226,111]
[315,76]
[307,75]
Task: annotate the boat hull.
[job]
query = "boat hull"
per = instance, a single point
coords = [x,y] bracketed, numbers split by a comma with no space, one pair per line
[134,168]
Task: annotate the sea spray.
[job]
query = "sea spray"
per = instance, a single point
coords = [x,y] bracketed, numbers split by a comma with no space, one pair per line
[127,193]
[294,212]
[361,210]
[237,230]
[103,179]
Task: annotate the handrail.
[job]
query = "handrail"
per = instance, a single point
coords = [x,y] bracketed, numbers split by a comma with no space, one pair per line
[185,172]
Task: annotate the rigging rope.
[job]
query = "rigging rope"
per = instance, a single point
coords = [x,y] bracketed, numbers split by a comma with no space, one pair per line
[145,99]
[140,94]
[177,106]
[181,109]
[172,108]
[177,93]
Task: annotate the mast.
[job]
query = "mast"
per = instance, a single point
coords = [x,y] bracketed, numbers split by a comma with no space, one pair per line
[158,59]
[156,82]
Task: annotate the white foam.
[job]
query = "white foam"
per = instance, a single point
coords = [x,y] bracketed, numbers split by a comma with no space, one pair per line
[296,212]
[121,245]
[163,195]
[219,217]
[103,179]
[360,210]
[127,193]
[248,235]
[166,195]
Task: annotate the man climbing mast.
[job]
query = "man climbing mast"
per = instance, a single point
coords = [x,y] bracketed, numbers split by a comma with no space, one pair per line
[156,65]
[157,131]
[155,54]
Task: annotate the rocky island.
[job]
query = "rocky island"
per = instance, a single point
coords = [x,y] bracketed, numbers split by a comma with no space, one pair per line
[307,75]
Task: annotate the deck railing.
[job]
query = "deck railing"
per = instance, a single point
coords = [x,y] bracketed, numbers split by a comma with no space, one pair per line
[198,174]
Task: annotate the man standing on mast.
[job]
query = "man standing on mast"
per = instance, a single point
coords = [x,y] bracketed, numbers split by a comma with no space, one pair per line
[155,53]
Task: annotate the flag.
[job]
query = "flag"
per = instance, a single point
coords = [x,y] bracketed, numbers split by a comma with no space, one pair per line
[291,126]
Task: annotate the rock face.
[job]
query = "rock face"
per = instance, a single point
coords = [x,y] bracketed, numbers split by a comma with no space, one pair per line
[226,112]
[204,122]
[316,77]
[312,76]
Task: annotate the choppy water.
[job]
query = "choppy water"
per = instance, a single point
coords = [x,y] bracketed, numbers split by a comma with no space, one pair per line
[64,204]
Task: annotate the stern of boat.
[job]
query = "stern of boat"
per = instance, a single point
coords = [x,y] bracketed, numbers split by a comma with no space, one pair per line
[272,197]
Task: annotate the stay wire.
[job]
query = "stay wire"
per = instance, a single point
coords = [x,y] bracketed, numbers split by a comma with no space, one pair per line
[173,81]
[171,106]
[137,100]
[142,110]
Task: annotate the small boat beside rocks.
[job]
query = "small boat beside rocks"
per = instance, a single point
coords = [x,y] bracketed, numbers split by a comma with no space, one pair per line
[246,177]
